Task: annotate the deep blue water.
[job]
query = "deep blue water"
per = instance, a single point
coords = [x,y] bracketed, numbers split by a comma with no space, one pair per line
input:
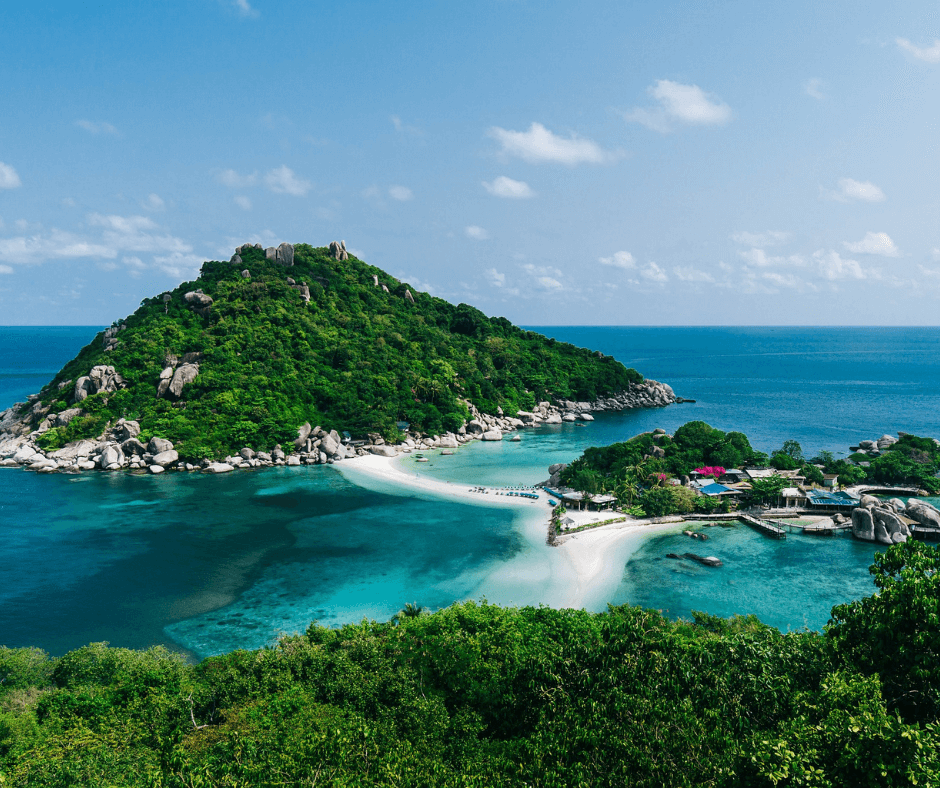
[213,563]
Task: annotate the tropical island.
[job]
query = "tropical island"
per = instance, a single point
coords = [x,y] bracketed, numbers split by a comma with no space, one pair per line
[274,339]
[243,360]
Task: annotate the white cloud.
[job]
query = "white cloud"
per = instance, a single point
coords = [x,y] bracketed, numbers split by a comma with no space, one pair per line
[760,259]
[404,128]
[400,193]
[832,266]
[760,240]
[814,88]
[850,189]
[508,188]
[244,8]
[546,277]
[680,103]
[242,202]
[233,180]
[495,278]
[927,54]
[283,180]
[5,269]
[690,274]
[619,260]
[874,243]
[134,262]
[122,224]
[96,128]
[153,203]
[9,179]
[654,273]
[178,265]
[538,145]
[783,280]
[478,233]
[54,245]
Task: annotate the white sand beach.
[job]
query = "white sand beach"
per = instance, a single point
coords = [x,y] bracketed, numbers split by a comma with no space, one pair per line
[583,571]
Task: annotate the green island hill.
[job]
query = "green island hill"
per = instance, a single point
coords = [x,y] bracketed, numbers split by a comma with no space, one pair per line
[480,695]
[244,359]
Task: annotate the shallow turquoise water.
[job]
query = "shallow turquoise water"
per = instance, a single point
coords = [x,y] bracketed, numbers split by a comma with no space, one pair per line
[214,563]
[789,583]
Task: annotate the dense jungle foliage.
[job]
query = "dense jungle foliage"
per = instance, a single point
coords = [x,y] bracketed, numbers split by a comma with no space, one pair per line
[636,470]
[479,695]
[354,358]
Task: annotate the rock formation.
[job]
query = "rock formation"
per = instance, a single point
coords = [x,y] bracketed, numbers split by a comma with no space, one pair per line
[100,378]
[338,250]
[878,521]
[285,254]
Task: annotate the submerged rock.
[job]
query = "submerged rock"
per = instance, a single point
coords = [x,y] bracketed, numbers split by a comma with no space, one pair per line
[709,560]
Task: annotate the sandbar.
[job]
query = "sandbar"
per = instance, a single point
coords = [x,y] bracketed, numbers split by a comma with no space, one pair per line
[583,571]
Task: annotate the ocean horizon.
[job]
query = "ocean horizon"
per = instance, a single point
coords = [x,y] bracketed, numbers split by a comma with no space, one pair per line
[208,564]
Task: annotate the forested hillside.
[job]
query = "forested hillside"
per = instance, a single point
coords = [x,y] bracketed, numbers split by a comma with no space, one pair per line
[255,347]
[478,695]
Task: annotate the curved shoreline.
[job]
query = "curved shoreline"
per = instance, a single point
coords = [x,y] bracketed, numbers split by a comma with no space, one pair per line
[582,571]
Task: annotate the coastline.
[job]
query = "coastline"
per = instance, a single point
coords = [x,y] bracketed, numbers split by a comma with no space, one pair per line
[582,571]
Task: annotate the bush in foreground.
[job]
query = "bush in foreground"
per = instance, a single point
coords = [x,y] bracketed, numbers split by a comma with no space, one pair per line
[482,695]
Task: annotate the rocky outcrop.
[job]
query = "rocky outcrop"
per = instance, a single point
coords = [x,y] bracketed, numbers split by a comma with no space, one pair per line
[109,340]
[409,296]
[100,378]
[158,445]
[197,298]
[878,521]
[285,254]
[125,430]
[338,250]
[924,513]
[184,374]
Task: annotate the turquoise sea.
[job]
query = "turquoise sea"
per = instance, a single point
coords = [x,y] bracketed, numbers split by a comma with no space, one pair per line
[208,564]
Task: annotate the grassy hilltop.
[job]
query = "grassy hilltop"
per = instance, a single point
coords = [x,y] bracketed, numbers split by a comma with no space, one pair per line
[357,356]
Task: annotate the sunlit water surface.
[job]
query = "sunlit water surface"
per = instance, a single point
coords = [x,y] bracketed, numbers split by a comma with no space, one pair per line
[208,564]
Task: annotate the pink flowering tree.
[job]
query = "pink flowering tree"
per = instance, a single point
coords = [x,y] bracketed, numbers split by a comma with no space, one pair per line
[711,470]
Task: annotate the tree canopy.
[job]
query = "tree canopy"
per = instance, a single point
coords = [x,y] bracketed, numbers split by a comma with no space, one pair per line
[480,695]
[356,357]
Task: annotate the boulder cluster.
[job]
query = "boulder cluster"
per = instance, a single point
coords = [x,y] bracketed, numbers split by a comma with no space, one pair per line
[101,378]
[338,250]
[177,373]
[874,448]
[116,450]
[119,448]
[886,522]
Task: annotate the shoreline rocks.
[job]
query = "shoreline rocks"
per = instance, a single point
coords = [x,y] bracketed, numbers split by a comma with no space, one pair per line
[119,448]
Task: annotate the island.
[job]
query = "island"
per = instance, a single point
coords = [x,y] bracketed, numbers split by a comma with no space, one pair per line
[295,354]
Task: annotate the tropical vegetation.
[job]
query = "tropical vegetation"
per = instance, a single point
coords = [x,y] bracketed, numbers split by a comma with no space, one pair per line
[356,357]
[480,695]
[638,471]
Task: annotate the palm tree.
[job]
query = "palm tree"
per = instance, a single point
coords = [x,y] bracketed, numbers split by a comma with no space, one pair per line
[410,610]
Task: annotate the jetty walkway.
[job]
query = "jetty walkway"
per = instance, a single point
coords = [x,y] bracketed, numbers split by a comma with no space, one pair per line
[765,527]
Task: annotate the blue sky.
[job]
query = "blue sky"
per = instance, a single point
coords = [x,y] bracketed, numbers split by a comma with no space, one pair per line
[678,163]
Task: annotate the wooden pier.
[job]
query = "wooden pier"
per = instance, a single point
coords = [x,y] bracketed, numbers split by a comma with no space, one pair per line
[766,527]
[758,524]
